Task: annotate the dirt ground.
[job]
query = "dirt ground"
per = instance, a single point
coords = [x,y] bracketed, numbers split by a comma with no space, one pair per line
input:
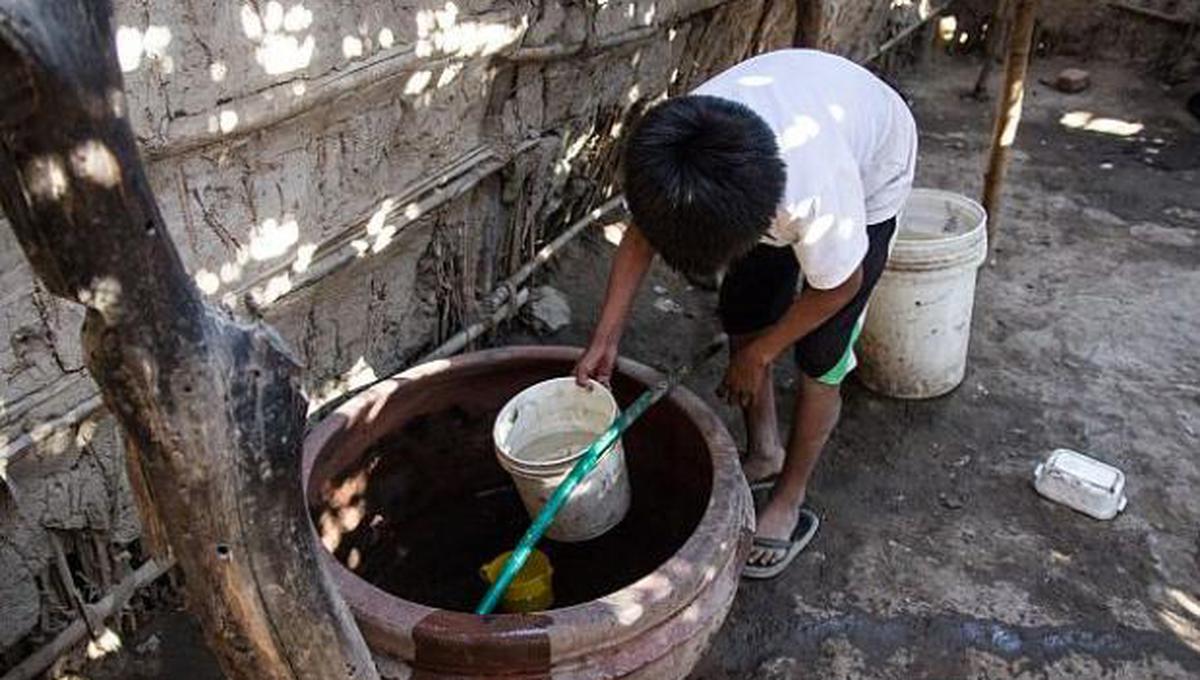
[935,558]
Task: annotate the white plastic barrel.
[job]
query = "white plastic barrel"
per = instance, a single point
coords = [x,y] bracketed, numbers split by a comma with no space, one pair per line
[539,436]
[914,342]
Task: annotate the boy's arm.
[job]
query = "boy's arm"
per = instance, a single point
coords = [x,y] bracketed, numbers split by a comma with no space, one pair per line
[828,231]
[809,310]
[629,267]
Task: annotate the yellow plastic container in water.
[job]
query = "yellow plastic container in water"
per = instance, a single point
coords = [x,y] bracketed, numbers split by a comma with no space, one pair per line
[531,590]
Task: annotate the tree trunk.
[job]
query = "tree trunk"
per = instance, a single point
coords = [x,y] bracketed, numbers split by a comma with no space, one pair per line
[1008,112]
[212,407]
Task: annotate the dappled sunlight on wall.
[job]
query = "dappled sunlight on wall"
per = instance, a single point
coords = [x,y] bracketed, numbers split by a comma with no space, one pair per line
[224,121]
[282,44]
[273,238]
[134,44]
[288,182]
[359,375]
[230,69]
[441,31]
[270,240]
[379,232]
[276,159]
[276,287]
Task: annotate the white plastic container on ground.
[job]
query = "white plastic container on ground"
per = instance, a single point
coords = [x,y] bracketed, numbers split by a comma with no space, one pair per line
[1081,482]
[914,342]
[539,436]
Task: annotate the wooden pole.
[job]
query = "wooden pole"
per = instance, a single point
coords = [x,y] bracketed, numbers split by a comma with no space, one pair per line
[810,24]
[997,25]
[213,407]
[1008,111]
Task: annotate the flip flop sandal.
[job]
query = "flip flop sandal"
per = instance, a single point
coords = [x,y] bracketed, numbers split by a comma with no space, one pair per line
[763,486]
[766,482]
[802,535]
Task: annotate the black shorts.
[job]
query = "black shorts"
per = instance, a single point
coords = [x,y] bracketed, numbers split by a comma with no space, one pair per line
[760,287]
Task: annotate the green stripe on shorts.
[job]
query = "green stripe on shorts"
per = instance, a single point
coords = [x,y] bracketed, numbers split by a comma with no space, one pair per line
[848,362]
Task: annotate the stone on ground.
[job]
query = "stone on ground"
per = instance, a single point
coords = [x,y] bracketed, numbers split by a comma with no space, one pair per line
[548,310]
[1072,80]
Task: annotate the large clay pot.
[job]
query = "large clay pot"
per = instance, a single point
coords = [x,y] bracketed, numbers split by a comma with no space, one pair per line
[655,626]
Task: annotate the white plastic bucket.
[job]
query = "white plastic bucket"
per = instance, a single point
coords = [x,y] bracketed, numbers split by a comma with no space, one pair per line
[539,436]
[914,342]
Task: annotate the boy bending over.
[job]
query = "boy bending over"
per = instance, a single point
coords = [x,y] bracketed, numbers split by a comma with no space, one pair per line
[782,175]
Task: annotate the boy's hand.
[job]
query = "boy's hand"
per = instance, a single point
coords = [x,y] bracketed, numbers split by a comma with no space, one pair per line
[747,368]
[596,363]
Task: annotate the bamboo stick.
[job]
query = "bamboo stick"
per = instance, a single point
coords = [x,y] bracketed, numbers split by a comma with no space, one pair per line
[78,629]
[1008,112]
[908,31]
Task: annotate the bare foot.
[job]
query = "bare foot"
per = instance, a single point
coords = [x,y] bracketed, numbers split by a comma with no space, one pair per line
[759,466]
[776,521]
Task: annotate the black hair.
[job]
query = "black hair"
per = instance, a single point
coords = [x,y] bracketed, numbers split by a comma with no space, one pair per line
[703,180]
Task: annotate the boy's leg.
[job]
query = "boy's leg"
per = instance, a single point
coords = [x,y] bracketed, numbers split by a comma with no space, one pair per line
[818,406]
[755,293]
[824,357]
[764,452]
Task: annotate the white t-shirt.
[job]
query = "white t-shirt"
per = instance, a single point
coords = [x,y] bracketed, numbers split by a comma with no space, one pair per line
[849,144]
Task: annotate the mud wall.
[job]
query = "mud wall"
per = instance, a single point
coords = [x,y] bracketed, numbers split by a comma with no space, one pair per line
[1161,35]
[358,174]
[858,29]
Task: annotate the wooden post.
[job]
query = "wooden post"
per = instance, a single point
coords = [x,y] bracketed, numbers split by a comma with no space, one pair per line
[1008,111]
[997,25]
[213,407]
[810,24]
